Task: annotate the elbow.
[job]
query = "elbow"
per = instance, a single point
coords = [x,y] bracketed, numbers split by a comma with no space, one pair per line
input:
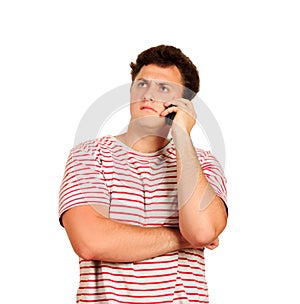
[201,236]
[201,240]
[85,253]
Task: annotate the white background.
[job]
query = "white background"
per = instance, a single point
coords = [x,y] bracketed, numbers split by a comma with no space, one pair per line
[58,57]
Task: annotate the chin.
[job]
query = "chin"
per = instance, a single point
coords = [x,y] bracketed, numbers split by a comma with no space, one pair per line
[151,125]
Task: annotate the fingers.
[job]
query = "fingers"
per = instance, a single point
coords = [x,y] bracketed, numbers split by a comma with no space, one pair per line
[179,104]
[213,245]
[171,109]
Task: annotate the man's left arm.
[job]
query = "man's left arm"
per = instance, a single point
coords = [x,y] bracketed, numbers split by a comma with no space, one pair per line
[202,213]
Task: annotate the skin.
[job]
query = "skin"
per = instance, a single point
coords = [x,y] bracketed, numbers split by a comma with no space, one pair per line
[202,215]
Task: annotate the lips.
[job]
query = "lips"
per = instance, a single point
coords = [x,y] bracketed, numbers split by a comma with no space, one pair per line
[147,108]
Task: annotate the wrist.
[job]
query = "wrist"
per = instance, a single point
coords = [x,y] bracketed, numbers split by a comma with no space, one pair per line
[182,139]
[179,133]
[176,240]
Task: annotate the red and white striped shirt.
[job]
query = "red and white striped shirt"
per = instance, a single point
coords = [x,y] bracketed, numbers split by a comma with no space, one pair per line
[139,189]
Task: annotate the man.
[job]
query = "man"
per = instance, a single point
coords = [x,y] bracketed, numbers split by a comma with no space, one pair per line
[139,208]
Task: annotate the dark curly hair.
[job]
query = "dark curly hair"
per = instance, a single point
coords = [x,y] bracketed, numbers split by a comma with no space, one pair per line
[165,56]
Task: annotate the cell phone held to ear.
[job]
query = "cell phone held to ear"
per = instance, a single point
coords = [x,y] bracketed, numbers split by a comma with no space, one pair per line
[170,117]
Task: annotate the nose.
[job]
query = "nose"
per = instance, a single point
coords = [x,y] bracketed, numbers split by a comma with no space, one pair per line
[149,93]
[146,98]
[149,96]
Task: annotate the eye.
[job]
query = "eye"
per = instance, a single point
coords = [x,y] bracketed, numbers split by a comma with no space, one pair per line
[164,89]
[142,84]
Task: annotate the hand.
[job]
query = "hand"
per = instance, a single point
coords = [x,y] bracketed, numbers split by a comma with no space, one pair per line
[185,114]
[213,245]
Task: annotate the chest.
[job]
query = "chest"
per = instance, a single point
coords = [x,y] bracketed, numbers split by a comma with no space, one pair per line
[143,191]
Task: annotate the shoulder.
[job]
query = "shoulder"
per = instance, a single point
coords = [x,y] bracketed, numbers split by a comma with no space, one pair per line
[209,162]
[214,173]
[95,146]
[205,155]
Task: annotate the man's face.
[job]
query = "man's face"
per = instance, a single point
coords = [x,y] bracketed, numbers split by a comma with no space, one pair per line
[153,86]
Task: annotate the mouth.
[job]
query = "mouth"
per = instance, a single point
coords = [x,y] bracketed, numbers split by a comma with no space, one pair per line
[147,108]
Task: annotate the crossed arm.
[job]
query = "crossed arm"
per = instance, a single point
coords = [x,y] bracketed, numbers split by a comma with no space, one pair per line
[95,237]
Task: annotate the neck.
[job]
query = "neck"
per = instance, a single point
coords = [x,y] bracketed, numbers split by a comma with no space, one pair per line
[145,142]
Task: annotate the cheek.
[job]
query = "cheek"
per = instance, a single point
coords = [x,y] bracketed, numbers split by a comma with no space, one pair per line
[160,108]
[134,107]
[136,95]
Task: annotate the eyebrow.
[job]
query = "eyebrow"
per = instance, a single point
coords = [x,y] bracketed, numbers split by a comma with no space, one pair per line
[156,81]
[161,82]
[144,79]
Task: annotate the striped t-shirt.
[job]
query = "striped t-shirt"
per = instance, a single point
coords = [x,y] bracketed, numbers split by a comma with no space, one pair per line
[138,189]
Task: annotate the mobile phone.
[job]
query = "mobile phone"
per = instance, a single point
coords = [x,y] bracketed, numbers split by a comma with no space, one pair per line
[170,117]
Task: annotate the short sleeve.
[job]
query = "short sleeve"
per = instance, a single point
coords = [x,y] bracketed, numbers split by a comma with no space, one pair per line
[214,173]
[83,182]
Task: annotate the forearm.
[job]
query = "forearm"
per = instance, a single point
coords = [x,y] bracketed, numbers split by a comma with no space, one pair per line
[202,215]
[108,240]
[127,243]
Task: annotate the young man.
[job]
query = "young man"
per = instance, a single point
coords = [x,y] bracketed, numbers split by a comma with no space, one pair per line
[139,208]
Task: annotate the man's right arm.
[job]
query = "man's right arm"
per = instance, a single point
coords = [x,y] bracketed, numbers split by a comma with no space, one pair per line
[95,237]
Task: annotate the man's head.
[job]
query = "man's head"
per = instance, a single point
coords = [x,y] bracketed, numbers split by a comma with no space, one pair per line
[168,56]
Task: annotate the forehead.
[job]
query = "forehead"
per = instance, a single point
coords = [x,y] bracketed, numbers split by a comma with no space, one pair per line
[152,71]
